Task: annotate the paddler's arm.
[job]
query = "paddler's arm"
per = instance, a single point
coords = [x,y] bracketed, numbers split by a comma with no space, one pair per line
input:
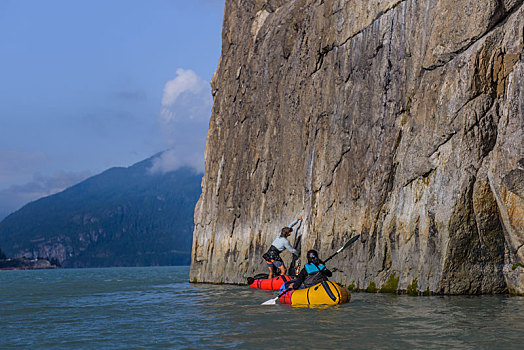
[325,271]
[288,246]
[300,279]
[295,222]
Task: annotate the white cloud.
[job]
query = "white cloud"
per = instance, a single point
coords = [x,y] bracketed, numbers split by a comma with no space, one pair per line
[186,80]
[173,159]
[184,119]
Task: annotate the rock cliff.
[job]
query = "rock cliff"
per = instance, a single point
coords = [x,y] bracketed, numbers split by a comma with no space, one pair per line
[399,120]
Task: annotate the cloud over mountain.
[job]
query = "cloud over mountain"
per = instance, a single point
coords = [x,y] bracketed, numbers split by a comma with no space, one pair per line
[184,119]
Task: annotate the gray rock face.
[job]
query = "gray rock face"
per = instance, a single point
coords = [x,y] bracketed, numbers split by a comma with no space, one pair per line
[399,120]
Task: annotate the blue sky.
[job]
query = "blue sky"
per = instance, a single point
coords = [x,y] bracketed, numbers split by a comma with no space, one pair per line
[86,85]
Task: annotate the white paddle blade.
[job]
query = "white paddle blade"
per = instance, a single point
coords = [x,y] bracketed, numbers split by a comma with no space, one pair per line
[270,301]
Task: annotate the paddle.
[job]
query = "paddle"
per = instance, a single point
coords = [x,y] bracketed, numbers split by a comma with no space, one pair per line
[260,276]
[292,266]
[296,245]
[348,243]
[274,300]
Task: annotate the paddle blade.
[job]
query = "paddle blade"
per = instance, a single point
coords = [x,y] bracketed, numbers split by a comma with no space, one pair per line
[270,301]
[274,300]
[350,242]
[261,276]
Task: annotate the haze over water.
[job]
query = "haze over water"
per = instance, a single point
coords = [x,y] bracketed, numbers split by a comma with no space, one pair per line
[122,308]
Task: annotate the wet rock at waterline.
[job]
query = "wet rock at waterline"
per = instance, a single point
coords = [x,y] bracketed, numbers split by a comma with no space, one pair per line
[399,120]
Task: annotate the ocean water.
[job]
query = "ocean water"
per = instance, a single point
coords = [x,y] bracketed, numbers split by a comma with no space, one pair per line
[157,308]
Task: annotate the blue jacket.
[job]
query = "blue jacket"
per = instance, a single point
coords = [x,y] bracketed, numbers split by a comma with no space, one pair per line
[310,270]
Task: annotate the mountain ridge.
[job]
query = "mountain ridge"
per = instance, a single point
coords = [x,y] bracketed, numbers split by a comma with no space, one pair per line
[124,216]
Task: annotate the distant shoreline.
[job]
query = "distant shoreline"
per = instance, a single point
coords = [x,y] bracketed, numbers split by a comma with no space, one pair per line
[26,264]
[28,268]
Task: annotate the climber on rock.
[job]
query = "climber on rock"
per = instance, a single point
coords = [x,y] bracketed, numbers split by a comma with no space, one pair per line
[272,256]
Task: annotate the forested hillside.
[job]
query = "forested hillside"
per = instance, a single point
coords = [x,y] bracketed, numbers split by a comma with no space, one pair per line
[121,217]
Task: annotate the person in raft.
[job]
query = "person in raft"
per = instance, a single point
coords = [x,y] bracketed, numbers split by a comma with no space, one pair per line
[272,256]
[312,273]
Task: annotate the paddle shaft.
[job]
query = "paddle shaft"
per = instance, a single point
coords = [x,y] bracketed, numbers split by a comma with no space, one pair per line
[296,245]
[350,242]
[273,300]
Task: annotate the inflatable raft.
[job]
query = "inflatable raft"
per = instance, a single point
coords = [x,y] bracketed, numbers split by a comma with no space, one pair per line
[270,283]
[324,293]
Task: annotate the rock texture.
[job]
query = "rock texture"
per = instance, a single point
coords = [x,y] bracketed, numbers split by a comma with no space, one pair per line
[399,120]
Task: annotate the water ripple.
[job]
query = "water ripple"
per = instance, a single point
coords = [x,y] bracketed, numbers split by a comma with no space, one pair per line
[158,308]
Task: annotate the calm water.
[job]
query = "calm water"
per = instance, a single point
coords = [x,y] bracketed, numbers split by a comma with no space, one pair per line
[145,308]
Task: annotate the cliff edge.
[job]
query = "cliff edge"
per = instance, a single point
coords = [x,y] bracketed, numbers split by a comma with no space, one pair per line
[400,120]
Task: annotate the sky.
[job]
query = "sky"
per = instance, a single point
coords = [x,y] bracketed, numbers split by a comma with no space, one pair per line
[86,85]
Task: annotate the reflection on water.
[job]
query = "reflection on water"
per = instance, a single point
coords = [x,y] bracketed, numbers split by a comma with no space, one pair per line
[157,307]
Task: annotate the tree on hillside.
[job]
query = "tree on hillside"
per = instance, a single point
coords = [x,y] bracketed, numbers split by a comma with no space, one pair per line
[2,255]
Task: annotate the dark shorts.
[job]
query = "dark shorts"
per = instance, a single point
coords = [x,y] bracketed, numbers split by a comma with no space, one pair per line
[272,257]
[275,263]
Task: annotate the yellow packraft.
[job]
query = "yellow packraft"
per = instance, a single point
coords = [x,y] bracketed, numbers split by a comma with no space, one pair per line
[323,293]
